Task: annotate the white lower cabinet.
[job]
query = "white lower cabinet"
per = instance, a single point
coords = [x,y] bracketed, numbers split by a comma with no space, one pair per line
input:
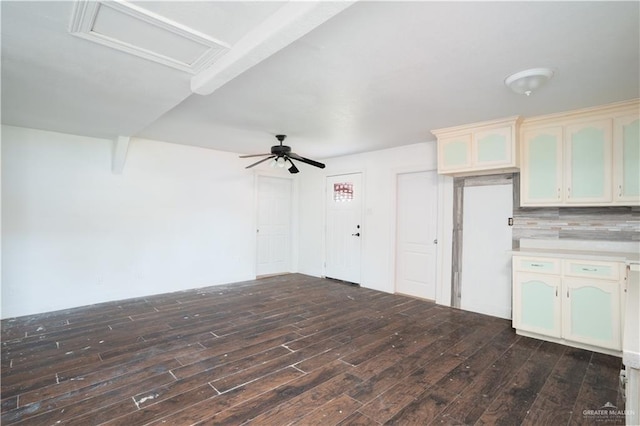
[536,304]
[591,312]
[577,303]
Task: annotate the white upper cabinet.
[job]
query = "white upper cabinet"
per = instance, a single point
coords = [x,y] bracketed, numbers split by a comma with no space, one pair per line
[626,158]
[582,158]
[494,147]
[479,148]
[541,177]
[454,153]
[588,151]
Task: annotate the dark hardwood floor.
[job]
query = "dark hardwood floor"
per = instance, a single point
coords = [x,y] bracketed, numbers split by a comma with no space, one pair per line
[293,350]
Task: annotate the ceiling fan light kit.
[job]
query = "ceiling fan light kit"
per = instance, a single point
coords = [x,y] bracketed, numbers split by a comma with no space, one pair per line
[281,154]
[527,81]
[279,162]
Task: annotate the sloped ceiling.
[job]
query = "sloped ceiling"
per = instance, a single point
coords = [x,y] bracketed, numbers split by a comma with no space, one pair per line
[338,78]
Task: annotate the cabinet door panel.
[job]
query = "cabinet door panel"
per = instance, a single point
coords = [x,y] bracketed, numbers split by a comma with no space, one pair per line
[591,312]
[588,162]
[455,153]
[541,171]
[493,148]
[537,303]
[626,161]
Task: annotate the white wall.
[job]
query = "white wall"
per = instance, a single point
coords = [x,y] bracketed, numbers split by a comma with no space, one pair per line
[0,226]
[379,170]
[178,217]
[74,233]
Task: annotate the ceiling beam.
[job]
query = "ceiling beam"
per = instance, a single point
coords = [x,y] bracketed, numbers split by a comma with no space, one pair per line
[120,149]
[289,23]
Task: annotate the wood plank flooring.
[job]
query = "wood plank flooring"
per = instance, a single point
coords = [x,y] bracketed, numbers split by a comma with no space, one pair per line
[296,350]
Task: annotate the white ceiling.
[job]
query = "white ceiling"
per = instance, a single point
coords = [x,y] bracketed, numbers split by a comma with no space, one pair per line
[337,78]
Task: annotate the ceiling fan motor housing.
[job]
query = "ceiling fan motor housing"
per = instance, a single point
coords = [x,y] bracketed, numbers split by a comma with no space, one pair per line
[280,150]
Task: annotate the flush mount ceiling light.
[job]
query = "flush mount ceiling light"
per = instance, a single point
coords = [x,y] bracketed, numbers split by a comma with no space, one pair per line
[525,82]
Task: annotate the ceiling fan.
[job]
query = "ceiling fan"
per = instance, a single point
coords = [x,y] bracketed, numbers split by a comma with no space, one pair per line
[281,155]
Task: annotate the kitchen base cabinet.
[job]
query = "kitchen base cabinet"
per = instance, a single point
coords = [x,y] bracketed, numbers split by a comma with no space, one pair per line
[592,312]
[536,303]
[577,303]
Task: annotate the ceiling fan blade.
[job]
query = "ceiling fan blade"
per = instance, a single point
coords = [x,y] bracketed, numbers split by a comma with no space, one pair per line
[306,160]
[293,169]
[253,155]
[261,161]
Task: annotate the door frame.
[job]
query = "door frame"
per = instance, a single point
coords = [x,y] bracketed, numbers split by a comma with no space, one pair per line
[293,214]
[393,262]
[459,184]
[362,217]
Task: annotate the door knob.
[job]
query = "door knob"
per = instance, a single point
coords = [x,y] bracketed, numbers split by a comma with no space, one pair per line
[357,234]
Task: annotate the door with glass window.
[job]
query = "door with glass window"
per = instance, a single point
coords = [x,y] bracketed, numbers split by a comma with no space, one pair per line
[344,232]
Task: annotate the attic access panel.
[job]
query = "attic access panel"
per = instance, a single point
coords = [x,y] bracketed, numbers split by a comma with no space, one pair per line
[137,31]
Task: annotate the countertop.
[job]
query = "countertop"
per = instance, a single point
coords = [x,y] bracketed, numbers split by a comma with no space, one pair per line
[612,251]
[626,257]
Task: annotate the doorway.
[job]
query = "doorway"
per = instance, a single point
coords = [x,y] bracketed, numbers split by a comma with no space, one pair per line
[485,285]
[273,230]
[416,234]
[344,233]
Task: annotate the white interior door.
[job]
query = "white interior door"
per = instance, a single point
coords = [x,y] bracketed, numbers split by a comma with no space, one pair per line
[416,233]
[486,241]
[344,227]
[274,225]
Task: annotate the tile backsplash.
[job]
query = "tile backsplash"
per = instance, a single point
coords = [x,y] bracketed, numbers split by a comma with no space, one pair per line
[577,223]
[580,223]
